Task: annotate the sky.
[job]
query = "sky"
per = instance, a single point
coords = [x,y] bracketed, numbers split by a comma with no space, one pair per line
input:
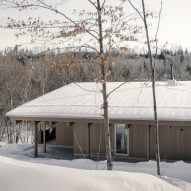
[175,26]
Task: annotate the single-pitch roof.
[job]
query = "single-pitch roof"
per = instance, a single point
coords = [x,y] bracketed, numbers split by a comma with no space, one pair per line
[131,101]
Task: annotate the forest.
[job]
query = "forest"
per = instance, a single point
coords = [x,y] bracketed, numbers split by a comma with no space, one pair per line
[25,75]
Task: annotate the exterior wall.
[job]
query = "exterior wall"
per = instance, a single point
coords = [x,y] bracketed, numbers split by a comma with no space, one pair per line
[81,138]
[181,143]
[165,142]
[90,138]
[138,141]
[64,134]
[97,139]
[175,142]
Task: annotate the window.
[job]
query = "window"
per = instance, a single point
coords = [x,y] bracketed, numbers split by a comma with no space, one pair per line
[121,139]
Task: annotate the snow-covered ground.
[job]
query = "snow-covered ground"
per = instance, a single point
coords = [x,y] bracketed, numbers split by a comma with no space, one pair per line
[20,172]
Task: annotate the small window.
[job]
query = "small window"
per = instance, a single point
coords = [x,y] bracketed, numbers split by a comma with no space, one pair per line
[121,139]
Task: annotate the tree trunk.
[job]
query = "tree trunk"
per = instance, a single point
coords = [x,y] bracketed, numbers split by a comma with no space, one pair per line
[104,89]
[157,150]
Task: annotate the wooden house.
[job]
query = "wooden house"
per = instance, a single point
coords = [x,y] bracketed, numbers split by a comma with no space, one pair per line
[75,112]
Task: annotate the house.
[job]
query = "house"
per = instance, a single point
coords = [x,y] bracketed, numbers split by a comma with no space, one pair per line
[75,112]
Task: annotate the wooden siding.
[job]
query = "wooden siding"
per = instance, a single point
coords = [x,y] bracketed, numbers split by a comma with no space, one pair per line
[97,139]
[81,138]
[138,141]
[175,138]
[94,120]
[64,134]
[91,139]
[180,143]
[165,148]
[175,142]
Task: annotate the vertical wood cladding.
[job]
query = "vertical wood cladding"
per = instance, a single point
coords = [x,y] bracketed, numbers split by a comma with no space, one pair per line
[97,139]
[138,141]
[80,138]
[64,134]
[175,142]
[90,139]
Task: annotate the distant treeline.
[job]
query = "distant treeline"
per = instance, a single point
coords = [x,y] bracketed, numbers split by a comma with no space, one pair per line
[24,75]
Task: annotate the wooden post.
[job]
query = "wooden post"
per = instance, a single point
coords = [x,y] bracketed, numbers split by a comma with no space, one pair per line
[148,142]
[44,137]
[35,140]
[14,132]
[89,149]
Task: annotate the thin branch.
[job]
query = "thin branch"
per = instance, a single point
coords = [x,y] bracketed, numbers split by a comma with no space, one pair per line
[48,7]
[103,4]
[89,46]
[157,149]
[93,3]
[115,89]
[7,7]
[84,88]
[156,35]
[40,27]
[132,5]
[58,12]
[93,31]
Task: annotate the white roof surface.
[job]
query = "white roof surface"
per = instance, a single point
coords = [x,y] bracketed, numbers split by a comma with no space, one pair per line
[132,100]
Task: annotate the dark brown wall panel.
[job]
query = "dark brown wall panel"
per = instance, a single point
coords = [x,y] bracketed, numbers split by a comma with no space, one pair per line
[97,139]
[64,134]
[80,138]
[138,141]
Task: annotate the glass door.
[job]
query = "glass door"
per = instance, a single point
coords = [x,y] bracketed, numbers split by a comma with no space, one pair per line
[121,139]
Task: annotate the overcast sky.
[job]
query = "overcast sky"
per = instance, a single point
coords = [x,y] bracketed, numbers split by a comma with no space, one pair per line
[175,26]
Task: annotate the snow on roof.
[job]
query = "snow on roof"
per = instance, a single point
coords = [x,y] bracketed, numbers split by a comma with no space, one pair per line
[131,100]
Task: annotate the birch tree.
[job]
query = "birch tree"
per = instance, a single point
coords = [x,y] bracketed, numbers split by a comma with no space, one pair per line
[106,28]
[143,16]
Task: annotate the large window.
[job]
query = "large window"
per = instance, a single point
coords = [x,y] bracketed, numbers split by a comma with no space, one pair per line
[121,139]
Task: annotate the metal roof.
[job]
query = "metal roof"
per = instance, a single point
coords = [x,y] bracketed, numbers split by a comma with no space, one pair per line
[131,100]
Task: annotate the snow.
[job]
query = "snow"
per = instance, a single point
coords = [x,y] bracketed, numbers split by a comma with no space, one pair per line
[43,177]
[131,100]
[21,172]
[2,143]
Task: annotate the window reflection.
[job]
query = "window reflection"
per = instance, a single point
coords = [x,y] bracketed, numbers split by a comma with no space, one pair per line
[121,139]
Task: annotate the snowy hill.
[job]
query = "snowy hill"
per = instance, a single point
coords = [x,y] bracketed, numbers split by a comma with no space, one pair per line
[19,172]
[22,176]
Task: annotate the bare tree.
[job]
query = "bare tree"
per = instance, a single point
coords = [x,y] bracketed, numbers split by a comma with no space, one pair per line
[143,16]
[109,38]
[104,87]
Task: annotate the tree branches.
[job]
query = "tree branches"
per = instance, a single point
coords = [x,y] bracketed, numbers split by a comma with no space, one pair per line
[158,25]
[137,10]
[144,18]
[44,5]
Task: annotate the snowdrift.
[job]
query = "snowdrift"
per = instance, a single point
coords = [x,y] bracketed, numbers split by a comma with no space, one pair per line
[26,176]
